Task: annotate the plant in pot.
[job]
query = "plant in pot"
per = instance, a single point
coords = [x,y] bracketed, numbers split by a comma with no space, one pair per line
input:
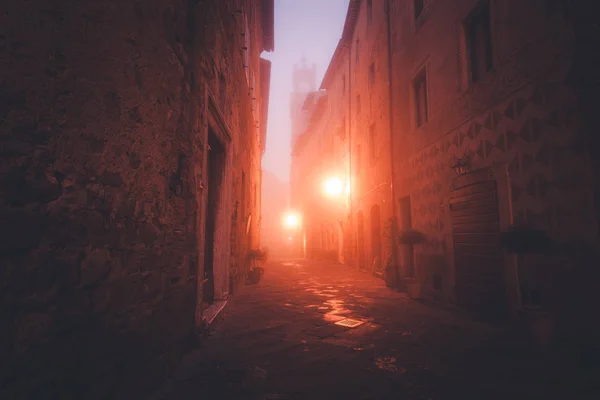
[411,237]
[255,271]
[523,240]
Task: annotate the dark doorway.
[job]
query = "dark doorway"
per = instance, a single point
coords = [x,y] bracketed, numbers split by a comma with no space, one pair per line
[376,238]
[407,253]
[361,240]
[215,167]
[480,284]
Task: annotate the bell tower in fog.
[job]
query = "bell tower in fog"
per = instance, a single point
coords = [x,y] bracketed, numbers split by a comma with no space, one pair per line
[305,82]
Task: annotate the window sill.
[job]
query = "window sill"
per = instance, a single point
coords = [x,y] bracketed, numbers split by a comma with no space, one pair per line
[487,78]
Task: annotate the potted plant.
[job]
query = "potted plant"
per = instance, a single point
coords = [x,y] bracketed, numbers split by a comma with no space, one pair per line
[522,240]
[255,271]
[390,271]
[411,237]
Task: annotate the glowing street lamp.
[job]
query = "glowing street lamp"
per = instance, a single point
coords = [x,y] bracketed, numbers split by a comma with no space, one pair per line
[292,220]
[334,187]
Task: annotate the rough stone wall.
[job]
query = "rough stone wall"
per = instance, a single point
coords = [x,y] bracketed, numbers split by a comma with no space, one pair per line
[103,143]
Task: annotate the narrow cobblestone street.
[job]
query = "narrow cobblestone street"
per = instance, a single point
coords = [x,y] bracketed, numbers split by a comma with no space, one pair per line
[280,341]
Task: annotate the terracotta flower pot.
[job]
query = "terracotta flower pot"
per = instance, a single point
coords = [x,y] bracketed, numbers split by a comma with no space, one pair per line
[254,276]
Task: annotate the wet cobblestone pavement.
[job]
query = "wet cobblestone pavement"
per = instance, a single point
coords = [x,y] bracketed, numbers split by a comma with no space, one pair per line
[280,340]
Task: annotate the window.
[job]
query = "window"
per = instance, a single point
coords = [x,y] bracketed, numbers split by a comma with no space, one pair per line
[358,103]
[357,155]
[356,51]
[418,6]
[369,13]
[420,96]
[372,144]
[478,40]
[344,84]
[371,75]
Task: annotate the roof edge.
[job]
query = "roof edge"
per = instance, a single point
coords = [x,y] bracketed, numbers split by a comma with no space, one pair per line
[344,42]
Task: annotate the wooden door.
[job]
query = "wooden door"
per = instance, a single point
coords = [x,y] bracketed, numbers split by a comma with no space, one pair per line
[480,283]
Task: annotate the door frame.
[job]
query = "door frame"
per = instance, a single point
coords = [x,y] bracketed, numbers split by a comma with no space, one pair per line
[211,117]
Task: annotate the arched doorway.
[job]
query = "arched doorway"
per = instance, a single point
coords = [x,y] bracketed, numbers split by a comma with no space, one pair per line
[376,238]
[360,222]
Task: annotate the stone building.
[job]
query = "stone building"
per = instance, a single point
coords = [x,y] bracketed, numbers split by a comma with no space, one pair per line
[304,80]
[131,135]
[304,90]
[491,127]
[489,84]
[354,139]
[314,159]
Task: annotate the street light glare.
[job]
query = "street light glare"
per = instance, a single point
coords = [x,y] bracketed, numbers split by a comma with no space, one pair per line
[334,187]
[292,220]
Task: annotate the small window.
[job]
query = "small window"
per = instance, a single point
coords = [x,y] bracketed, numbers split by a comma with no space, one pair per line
[369,13]
[420,96]
[357,155]
[372,143]
[371,75]
[419,5]
[356,51]
[478,40]
[358,104]
[344,84]
[343,129]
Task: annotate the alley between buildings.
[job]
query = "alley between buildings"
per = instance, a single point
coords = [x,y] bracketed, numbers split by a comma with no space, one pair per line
[441,152]
[279,340]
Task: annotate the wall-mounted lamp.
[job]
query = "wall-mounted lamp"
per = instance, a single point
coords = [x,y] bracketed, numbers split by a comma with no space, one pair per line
[462,166]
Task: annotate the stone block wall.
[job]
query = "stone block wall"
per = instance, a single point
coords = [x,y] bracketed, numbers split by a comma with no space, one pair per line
[103,142]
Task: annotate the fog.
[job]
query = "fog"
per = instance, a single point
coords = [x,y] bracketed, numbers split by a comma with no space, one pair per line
[303,28]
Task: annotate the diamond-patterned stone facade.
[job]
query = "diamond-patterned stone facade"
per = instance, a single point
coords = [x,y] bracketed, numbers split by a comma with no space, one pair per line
[515,134]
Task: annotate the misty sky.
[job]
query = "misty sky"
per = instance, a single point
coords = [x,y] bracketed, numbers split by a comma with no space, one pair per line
[302,27]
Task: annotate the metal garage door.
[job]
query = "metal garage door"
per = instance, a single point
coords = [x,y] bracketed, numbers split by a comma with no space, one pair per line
[478,257]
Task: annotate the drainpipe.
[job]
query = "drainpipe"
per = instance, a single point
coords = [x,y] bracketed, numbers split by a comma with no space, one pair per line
[392,127]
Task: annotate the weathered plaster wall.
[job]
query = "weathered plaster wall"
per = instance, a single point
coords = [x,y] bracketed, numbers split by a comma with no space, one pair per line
[523,118]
